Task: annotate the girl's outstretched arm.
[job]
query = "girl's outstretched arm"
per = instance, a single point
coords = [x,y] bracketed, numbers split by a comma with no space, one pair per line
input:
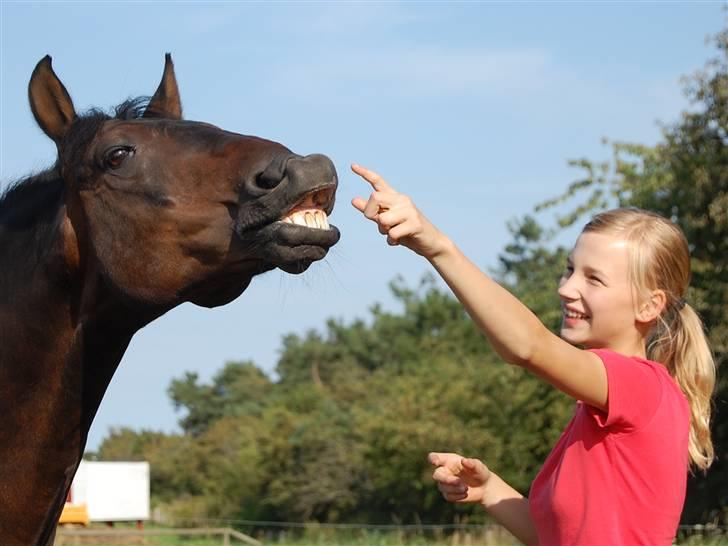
[515,332]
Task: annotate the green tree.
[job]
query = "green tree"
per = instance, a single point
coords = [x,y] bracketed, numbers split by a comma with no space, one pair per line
[315,471]
[239,388]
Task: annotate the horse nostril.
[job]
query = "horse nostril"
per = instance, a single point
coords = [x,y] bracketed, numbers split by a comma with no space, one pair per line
[266,181]
[272,175]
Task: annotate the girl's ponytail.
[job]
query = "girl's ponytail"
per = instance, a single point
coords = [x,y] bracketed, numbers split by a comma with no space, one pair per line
[679,342]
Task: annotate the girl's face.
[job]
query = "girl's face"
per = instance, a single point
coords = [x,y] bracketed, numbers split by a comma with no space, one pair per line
[597,297]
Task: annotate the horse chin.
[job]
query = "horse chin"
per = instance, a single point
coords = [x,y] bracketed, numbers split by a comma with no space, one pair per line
[218,293]
[299,265]
[211,301]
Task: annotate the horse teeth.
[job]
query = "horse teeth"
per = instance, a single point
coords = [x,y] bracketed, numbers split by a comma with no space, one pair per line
[321,221]
[311,218]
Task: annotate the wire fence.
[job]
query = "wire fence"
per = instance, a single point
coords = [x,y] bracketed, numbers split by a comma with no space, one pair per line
[692,529]
[230,532]
[458,533]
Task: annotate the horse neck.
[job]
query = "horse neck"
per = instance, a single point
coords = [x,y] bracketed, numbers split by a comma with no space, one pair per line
[64,330]
[62,337]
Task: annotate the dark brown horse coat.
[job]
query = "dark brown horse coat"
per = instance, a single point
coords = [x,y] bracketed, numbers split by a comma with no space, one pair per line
[141,212]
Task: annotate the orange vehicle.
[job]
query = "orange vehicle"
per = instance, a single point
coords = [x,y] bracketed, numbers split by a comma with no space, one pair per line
[74,514]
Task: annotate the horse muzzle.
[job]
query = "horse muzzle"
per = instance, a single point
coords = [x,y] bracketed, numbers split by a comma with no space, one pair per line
[292,217]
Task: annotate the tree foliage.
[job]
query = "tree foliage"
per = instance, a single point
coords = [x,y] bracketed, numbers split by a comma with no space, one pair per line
[240,388]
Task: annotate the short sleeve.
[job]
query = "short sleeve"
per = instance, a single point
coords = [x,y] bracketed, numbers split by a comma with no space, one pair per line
[634,392]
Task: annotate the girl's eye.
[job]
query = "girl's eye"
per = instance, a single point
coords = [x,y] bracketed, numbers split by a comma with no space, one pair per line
[595,280]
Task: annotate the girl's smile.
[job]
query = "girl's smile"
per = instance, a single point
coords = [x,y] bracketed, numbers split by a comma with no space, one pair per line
[572,317]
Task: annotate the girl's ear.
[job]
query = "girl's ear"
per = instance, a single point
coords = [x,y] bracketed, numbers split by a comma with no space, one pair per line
[652,308]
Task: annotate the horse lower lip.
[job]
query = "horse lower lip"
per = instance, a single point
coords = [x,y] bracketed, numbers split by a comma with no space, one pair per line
[289,235]
[295,235]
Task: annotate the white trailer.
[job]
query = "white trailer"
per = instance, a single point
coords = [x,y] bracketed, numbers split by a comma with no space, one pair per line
[111,491]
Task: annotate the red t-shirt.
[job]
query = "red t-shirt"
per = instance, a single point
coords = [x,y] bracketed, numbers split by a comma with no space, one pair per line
[618,477]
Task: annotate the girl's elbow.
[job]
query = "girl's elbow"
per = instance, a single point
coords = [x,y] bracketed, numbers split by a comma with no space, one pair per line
[521,355]
[525,352]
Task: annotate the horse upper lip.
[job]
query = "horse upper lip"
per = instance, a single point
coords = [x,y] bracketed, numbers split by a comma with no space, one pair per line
[321,198]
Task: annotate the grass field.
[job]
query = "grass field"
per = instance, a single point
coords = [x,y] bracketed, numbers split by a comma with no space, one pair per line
[328,537]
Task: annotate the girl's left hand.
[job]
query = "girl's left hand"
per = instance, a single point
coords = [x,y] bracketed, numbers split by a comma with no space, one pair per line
[460,479]
[397,217]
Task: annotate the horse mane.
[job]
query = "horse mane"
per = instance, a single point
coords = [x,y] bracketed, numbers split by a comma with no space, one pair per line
[29,205]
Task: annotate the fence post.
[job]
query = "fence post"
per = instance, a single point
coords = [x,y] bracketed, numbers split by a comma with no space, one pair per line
[226,538]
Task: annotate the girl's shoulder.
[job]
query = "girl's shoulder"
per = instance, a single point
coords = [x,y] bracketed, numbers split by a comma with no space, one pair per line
[633,365]
[638,390]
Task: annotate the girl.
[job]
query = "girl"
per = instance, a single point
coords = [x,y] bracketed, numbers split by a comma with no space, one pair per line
[632,353]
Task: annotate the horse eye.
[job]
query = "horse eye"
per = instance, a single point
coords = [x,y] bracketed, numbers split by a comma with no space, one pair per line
[116,156]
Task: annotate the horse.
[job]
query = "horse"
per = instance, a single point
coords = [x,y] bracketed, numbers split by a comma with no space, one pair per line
[141,212]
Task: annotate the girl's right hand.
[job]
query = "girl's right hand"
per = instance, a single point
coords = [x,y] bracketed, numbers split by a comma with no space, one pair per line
[397,217]
[459,479]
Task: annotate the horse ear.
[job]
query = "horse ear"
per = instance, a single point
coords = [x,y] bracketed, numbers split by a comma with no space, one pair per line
[166,103]
[50,102]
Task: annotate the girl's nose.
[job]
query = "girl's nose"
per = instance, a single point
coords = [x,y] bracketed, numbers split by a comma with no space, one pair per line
[567,288]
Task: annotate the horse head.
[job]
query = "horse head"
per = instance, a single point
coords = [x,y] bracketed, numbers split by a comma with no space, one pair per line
[177,210]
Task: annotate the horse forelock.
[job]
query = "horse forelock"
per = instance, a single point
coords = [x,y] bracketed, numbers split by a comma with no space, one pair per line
[133,108]
[85,127]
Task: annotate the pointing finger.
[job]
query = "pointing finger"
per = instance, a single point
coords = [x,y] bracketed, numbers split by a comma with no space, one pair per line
[434,459]
[451,461]
[377,182]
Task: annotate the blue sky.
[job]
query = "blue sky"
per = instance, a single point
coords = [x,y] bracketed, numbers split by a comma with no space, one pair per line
[473,109]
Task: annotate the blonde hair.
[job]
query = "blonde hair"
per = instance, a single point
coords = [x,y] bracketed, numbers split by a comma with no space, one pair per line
[660,260]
